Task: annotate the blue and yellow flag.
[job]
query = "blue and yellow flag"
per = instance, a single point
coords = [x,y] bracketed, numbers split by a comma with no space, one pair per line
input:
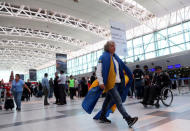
[109,76]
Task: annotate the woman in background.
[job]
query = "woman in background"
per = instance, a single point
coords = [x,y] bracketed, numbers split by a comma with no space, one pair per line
[17,89]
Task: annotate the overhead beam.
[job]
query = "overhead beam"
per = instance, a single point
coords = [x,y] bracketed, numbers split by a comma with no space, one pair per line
[132,8]
[45,47]
[23,11]
[14,31]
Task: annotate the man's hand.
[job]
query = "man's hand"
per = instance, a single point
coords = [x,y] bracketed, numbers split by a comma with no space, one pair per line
[102,86]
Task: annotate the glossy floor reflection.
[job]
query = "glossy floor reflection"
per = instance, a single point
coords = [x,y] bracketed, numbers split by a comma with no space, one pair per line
[35,117]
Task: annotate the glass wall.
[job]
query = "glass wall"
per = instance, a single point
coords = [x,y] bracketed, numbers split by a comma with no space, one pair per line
[83,64]
[167,41]
[50,70]
[26,77]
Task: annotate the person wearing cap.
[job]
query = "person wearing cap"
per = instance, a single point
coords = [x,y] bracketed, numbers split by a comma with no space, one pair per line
[147,76]
[160,80]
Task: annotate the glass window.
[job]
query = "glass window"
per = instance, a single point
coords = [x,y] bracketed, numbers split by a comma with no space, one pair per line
[177,48]
[150,55]
[89,69]
[172,37]
[137,42]
[148,38]
[84,59]
[138,50]
[149,47]
[161,34]
[130,59]
[99,53]
[89,57]
[175,29]
[178,39]
[139,57]
[129,44]
[130,52]
[186,26]
[163,52]
[187,36]
[162,44]
[188,45]
[80,60]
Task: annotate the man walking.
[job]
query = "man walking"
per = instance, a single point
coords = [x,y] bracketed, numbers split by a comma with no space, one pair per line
[110,77]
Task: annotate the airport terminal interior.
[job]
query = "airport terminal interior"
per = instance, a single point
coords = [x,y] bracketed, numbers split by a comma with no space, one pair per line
[94,65]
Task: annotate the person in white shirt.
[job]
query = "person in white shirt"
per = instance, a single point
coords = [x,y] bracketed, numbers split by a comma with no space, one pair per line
[61,85]
[115,79]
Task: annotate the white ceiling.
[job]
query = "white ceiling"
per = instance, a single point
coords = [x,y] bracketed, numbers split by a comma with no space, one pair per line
[163,7]
[94,11]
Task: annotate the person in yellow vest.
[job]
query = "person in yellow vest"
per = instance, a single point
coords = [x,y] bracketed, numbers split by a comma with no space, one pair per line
[72,87]
[110,78]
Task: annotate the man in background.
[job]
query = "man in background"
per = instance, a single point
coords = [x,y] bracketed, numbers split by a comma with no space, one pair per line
[61,84]
[93,78]
[138,79]
[45,85]
[56,89]
[72,87]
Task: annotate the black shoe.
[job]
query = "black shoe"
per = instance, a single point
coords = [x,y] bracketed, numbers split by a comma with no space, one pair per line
[150,103]
[61,104]
[46,104]
[132,121]
[18,109]
[157,105]
[104,120]
[143,102]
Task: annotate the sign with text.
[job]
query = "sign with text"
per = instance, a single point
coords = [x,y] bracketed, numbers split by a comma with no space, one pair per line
[33,75]
[22,76]
[118,34]
[61,62]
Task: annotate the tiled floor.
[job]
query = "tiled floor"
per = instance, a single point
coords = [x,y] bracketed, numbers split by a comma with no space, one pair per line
[71,117]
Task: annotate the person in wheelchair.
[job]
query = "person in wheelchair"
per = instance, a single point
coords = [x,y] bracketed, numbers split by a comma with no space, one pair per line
[160,80]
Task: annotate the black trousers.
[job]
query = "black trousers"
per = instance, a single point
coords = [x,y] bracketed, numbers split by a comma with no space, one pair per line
[56,93]
[72,92]
[62,94]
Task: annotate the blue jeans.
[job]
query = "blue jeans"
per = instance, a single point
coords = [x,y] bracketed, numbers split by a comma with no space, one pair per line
[17,98]
[114,96]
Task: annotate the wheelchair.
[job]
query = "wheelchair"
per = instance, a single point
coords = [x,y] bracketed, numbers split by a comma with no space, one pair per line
[166,97]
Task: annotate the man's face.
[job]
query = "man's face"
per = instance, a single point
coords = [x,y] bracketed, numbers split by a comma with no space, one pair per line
[112,48]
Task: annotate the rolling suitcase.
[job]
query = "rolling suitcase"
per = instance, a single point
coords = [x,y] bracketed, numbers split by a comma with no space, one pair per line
[9,104]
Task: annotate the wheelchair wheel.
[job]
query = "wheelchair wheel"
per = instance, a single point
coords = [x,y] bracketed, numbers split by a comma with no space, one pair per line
[167,96]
